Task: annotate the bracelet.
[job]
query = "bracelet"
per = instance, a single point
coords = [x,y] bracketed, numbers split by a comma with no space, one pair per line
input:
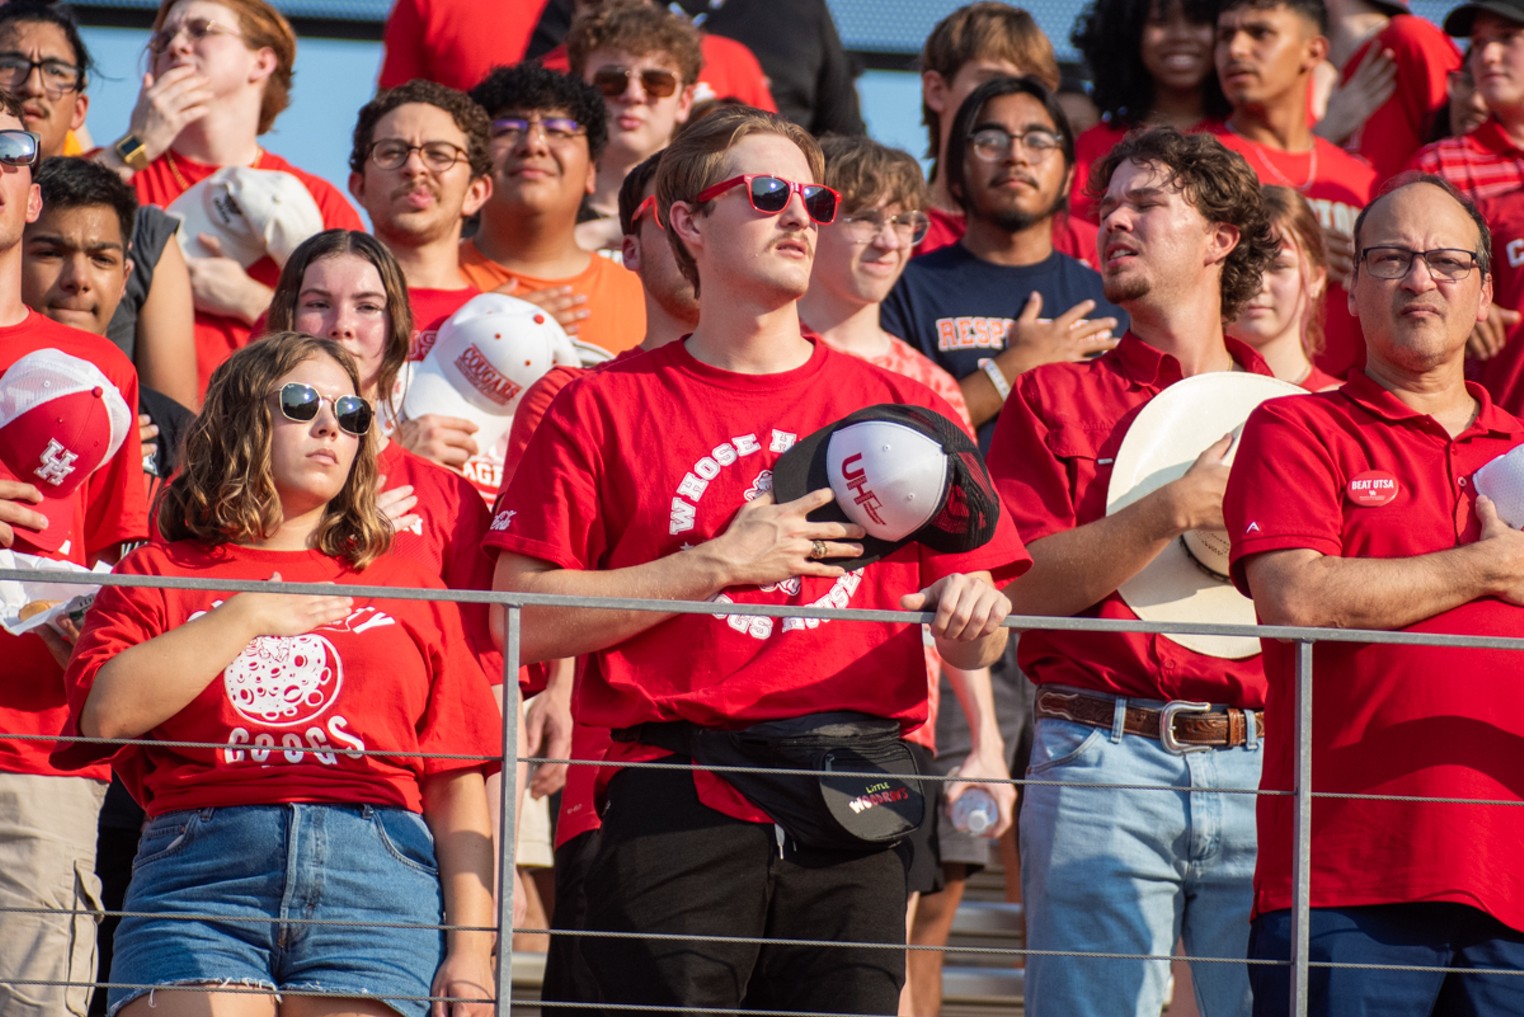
[997,378]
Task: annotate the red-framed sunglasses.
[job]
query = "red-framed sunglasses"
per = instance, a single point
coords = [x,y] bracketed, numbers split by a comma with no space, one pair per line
[646,207]
[770,195]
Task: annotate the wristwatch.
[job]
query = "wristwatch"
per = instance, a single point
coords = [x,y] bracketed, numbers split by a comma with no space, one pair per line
[133,152]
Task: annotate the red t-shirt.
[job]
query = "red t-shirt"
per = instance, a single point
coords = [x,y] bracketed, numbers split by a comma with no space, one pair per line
[1503,374]
[731,71]
[446,541]
[430,309]
[902,358]
[1071,235]
[1055,444]
[1337,185]
[395,675]
[109,509]
[1388,720]
[453,42]
[1399,127]
[656,454]
[1090,148]
[218,336]
[1483,164]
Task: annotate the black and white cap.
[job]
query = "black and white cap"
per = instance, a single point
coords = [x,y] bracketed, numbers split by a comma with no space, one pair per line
[903,473]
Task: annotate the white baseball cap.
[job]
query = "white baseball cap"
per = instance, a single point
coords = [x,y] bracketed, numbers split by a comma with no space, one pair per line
[483,358]
[253,212]
[903,473]
[61,419]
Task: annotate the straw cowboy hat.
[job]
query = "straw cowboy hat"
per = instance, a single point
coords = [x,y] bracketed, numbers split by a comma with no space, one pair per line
[1188,581]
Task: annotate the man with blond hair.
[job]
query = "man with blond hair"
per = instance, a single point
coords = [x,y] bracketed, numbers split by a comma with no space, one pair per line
[687,854]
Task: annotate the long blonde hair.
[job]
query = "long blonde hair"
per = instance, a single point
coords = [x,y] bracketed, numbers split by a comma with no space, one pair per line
[225,492]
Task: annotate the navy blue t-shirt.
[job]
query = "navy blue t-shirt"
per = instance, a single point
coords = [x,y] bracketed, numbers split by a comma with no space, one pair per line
[957,308]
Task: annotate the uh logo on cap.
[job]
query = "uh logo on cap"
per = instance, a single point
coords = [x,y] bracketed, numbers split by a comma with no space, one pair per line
[61,419]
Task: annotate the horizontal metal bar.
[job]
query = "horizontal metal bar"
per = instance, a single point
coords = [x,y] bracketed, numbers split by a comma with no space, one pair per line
[1019,622]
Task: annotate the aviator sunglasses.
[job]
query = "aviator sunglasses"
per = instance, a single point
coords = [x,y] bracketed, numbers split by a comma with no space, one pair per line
[612,81]
[770,195]
[18,148]
[300,402]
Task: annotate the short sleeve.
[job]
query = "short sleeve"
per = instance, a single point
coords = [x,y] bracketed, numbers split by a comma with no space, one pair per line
[1283,492]
[551,510]
[121,617]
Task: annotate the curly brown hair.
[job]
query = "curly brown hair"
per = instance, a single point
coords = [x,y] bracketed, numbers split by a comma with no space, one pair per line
[1220,185]
[225,493]
[470,118]
[639,29]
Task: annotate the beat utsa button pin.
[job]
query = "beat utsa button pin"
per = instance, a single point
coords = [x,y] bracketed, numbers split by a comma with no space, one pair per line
[1372,488]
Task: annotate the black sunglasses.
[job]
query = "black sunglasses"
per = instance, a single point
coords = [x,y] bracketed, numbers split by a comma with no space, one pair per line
[18,148]
[300,403]
[770,195]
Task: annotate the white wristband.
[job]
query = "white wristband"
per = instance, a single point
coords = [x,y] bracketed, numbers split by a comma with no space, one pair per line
[997,378]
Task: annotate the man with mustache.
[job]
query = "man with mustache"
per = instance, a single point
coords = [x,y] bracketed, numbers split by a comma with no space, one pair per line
[643,507]
[1001,300]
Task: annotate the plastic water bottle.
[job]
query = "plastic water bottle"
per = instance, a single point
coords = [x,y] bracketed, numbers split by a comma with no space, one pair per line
[975,812]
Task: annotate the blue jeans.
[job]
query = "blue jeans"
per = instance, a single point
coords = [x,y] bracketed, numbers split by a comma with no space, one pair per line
[1435,935]
[1110,870]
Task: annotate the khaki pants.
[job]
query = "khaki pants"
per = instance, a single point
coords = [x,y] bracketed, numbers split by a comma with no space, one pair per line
[47,861]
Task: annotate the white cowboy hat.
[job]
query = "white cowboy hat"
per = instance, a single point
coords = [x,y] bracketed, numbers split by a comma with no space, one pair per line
[1188,581]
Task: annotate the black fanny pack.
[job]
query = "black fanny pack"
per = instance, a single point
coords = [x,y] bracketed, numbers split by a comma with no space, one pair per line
[861,793]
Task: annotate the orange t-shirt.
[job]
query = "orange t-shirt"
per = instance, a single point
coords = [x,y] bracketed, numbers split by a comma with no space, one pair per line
[616,305]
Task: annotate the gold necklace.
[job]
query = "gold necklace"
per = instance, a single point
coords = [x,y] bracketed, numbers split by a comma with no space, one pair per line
[1261,156]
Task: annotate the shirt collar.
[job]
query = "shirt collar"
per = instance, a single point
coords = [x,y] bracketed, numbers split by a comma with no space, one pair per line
[1363,389]
[1148,365]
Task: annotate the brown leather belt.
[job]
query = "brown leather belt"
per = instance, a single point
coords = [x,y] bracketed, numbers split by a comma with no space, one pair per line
[1181,725]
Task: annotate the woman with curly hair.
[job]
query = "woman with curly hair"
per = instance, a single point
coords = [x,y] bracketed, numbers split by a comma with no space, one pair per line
[314,853]
[1284,321]
[1152,66]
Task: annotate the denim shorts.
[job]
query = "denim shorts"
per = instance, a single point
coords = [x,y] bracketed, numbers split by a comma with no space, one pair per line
[240,897]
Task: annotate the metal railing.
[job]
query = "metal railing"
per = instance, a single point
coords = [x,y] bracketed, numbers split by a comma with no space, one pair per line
[1304,638]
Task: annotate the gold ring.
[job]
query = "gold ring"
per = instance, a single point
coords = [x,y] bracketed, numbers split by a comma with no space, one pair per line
[817,549]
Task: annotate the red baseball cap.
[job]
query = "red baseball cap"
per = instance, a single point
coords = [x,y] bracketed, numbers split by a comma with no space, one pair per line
[60,420]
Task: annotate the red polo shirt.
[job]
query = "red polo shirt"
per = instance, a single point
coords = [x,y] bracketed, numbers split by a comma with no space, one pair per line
[1337,185]
[1483,164]
[1055,444]
[1389,720]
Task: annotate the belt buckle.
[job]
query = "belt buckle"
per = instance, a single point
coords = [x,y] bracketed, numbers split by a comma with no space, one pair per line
[1167,725]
